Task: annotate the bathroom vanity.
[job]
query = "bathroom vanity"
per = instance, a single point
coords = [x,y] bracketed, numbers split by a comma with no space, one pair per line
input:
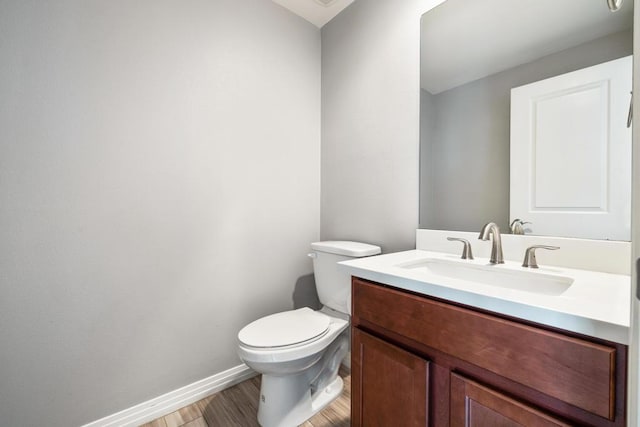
[433,349]
[420,361]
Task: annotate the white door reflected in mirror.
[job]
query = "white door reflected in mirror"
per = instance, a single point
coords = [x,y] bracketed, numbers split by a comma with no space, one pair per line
[571,153]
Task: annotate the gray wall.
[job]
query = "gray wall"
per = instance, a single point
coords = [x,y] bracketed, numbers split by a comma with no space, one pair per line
[427,135]
[468,138]
[370,123]
[159,188]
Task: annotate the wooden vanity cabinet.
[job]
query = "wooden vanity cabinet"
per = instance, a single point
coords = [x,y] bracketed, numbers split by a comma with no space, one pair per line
[392,384]
[419,361]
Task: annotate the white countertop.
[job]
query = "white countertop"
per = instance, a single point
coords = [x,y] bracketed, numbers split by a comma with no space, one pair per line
[596,304]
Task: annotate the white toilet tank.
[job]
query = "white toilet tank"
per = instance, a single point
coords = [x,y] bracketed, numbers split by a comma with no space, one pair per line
[332,284]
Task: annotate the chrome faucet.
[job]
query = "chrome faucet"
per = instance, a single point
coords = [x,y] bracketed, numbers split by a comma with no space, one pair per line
[489,229]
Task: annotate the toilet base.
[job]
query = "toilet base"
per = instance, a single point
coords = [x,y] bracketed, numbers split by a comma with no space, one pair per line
[290,400]
[330,393]
[298,412]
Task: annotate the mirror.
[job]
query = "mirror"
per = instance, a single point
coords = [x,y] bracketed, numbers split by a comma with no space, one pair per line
[472,54]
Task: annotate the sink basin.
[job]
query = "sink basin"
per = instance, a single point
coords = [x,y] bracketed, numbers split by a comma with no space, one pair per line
[493,275]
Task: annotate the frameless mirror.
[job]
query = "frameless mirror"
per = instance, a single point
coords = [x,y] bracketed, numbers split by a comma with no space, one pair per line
[473,53]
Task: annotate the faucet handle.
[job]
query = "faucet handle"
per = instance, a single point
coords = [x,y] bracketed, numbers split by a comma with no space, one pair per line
[466,250]
[530,255]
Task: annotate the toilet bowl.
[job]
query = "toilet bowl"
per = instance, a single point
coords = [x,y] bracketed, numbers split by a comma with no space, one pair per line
[299,352]
[297,370]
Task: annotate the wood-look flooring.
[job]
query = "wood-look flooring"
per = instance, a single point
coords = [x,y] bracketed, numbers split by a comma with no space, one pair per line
[238,406]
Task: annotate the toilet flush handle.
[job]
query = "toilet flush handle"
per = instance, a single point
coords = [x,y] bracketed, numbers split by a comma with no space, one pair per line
[312,255]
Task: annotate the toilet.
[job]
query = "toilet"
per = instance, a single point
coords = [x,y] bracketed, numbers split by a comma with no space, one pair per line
[299,352]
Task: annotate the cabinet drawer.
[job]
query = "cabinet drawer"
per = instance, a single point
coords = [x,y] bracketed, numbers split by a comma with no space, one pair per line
[572,370]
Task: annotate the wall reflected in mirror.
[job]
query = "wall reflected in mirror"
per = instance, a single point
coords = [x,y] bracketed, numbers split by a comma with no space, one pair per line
[472,54]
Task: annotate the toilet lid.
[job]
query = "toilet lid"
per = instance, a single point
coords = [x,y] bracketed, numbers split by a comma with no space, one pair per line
[286,328]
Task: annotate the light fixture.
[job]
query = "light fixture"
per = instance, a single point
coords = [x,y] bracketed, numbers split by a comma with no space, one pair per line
[325,3]
[614,5]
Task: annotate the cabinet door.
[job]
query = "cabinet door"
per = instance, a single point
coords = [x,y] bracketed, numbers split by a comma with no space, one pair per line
[389,385]
[473,404]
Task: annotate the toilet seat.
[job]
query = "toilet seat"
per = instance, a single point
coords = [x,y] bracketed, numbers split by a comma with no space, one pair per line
[289,328]
[292,352]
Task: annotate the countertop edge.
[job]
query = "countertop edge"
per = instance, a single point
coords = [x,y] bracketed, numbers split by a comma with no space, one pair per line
[544,316]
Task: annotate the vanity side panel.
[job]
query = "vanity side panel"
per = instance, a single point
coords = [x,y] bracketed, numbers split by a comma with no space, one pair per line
[575,371]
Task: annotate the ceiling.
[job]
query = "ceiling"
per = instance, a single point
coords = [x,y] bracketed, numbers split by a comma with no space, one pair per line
[463,40]
[318,12]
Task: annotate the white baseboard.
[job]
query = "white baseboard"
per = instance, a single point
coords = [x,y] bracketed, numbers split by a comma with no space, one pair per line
[176,399]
